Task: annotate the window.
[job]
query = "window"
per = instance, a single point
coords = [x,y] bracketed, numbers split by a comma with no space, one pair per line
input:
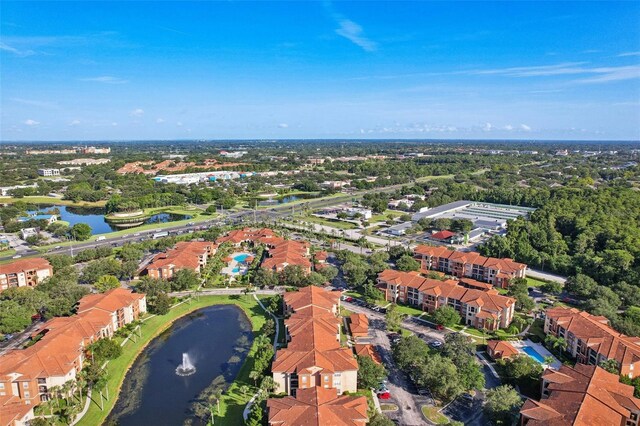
[26,394]
[304,379]
[326,378]
[25,385]
[1,385]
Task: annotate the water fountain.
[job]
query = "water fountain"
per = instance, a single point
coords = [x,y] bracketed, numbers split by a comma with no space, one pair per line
[186,368]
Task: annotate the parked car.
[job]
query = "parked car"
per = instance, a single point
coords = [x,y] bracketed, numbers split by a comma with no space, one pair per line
[439,327]
[436,344]
[384,395]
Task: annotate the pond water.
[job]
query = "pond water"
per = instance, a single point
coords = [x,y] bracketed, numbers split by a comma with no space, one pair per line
[217,340]
[286,199]
[94,217]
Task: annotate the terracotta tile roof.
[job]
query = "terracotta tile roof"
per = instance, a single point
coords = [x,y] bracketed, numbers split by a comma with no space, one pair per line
[367,351]
[504,265]
[310,296]
[307,362]
[585,395]
[490,300]
[185,254]
[263,235]
[321,255]
[286,253]
[596,333]
[109,301]
[320,331]
[12,410]
[443,235]
[27,264]
[501,349]
[359,324]
[318,407]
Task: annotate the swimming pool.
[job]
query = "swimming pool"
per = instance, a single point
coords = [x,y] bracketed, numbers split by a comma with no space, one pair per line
[533,354]
[240,258]
[235,270]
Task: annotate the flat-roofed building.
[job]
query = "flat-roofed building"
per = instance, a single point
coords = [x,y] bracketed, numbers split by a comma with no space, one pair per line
[590,339]
[48,172]
[27,272]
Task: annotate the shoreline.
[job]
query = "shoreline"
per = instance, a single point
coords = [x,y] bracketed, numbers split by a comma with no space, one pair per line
[219,300]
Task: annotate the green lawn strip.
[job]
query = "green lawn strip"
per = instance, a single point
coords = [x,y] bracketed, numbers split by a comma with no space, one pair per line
[535,282]
[151,328]
[328,222]
[388,407]
[536,331]
[52,200]
[8,252]
[432,414]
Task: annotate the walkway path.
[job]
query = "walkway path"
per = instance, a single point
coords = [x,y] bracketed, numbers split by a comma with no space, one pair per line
[247,408]
[545,276]
[87,403]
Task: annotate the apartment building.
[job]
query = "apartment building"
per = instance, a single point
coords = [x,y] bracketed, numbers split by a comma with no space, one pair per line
[478,308]
[247,235]
[470,265]
[287,253]
[314,357]
[185,255]
[359,326]
[318,407]
[585,395]
[24,273]
[28,375]
[590,339]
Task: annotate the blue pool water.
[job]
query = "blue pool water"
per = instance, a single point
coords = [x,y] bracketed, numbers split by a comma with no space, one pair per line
[241,258]
[533,354]
[235,270]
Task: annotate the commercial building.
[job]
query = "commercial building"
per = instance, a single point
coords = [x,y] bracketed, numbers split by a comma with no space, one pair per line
[478,308]
[185,255]
[590,339]
[48,172]
[28,375]
[584,395]
[483,215]
[27,272]
[470,264]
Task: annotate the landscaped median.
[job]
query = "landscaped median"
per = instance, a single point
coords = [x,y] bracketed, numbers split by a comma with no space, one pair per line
[233,400]
[433,415]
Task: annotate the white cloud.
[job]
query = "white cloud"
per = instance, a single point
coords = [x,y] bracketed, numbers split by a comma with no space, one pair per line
[487,127]
[21,53]
[628,54]
[354,33]
[179,124]
[606,74]
[138,112]
[31,122]
[283,125]
[159,120]
[114,124]
[106,79]
[74,123]
[508,127]
[525,127]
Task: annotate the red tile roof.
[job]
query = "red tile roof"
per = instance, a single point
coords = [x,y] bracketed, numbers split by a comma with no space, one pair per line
[318,331]
[367,351]
[318,407]
[443,235]
[501,349]
[505,265]
[312,296]
[359,325]
[185,254]
[27,264]
[585,395]
[308,362]
[109,301]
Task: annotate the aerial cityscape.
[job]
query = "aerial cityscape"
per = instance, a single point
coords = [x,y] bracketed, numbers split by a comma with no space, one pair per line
[332,213]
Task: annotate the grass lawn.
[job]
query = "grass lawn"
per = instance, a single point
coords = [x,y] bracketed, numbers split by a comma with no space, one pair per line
[432,414]
[52,200]
[388,407]
[233,402]
[408,310]
[328,222]
[536,331]
[534,282]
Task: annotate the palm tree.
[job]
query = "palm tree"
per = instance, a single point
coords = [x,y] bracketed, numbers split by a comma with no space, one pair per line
[254,375]
[267,385]
[244,389]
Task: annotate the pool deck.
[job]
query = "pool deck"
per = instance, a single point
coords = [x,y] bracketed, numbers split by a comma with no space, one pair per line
[233,264]
[520,344]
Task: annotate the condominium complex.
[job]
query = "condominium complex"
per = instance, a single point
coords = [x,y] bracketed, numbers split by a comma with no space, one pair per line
[27,375]
[24,273]
[478,308]
[316,357]
[591,340]
[584,395]
[470,264]
[287,253]
[185,255]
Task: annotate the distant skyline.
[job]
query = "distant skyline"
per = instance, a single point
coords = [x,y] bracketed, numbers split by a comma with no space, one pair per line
[288,70]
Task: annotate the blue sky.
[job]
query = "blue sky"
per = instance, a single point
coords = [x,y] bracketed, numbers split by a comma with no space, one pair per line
[208,69]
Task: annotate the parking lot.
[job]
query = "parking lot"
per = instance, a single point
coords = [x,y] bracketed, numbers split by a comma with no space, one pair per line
[466,409]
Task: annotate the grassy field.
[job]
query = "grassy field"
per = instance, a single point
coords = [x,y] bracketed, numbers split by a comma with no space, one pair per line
[432,414]
[52,200]
[534,282]
[233,402]
[328,222]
